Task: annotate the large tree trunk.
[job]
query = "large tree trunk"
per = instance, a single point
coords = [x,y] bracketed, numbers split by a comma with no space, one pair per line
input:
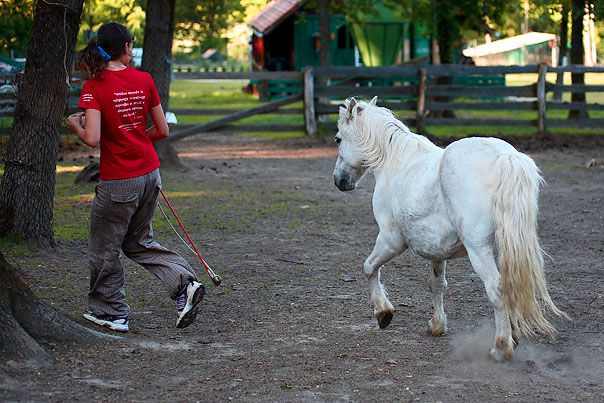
[563,49]
[157,60]
[447,34]
[26,320]
[577,55]
[27,188]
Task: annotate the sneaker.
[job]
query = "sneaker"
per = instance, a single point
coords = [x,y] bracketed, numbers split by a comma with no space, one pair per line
[113,322]
[188,302]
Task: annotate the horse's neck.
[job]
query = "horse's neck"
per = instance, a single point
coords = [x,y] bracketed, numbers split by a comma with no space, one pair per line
[404,149]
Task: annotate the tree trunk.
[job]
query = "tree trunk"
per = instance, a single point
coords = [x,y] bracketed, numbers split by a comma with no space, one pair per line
[324,42]
[324,32]
[27,187]
[563,50]
[447,34]
[157,61]
[577,55]
[26,320]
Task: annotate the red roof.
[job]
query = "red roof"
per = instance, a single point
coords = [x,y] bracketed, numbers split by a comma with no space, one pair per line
[273,14]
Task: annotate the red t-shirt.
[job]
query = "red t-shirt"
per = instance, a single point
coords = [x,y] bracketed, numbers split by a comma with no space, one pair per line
[124,98]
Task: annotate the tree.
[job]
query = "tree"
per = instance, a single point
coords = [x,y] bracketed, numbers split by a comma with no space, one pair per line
[27,187]
[25,320]
[157,60]
[97,12]
[577,55]
[563,46]
[324,32]
[205,22]
[16,18]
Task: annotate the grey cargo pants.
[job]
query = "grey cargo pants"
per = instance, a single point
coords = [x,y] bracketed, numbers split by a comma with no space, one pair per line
[120,219]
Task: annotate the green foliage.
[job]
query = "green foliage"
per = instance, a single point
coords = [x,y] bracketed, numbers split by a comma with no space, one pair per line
[453,21]
[16,22]
[205,22]
[97,12]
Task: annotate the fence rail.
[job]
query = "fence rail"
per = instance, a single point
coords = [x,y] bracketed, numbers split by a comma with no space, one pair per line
[429,91]
[424,92]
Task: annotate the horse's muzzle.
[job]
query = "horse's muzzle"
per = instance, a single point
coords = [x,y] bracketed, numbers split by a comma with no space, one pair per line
[344,184]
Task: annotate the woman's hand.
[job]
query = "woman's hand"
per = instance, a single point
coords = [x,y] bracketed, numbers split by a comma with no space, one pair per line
[91,134]
[74,122]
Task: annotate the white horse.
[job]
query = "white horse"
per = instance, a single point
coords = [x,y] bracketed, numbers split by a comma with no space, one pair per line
[476,197]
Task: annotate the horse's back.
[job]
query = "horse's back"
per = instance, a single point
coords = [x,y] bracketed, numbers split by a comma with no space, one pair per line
[469,179]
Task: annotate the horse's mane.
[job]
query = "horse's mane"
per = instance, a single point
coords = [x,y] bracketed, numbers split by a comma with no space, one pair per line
[384,140]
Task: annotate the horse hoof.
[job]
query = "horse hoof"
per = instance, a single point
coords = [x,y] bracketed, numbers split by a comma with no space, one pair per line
[501,356]
[436,329]
[384,319]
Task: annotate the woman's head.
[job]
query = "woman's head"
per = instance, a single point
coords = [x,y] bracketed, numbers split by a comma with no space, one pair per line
[112,42]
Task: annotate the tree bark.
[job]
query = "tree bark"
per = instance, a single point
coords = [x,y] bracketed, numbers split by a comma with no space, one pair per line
[324,42]
[563,49]
[157,61]
[26,320]
[27,187]
[447,34]
[577,55]
[324,32]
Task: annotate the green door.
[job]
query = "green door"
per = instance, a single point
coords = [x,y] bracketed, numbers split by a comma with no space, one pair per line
[379,37]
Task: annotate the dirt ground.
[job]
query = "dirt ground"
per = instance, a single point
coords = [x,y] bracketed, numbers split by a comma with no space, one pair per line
[292,320]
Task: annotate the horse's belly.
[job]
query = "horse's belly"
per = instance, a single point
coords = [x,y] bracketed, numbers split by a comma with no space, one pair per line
[434,246]
[436,253]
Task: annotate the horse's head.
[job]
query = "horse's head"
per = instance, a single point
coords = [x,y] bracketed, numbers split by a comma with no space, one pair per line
[350,166]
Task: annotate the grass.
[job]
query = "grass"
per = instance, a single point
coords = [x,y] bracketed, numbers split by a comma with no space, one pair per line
[71,204]
[220,94]
[228,94]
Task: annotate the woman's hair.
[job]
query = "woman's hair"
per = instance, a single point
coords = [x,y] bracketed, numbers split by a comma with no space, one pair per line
[107,45]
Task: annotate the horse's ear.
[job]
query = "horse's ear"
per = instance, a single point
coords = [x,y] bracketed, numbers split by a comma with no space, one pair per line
[373,101]
[352,102]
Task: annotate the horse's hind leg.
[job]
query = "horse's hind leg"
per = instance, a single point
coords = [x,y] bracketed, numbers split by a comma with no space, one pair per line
[437,326]
[483,262]
[382,253]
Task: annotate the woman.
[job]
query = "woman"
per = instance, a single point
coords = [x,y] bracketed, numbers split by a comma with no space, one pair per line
[117,100]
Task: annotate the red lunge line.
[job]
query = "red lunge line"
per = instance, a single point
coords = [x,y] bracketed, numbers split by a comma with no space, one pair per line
[184,230]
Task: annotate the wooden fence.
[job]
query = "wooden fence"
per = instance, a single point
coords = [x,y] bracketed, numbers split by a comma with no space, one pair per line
[433,95]
[428,91]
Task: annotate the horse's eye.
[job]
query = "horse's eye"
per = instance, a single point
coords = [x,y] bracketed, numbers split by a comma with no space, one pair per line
[338,140]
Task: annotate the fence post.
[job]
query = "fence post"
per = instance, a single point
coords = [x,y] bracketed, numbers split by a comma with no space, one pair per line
[541,104]
[310,118]
[421,99]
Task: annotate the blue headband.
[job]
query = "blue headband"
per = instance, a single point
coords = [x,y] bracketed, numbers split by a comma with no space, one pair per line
[105,55]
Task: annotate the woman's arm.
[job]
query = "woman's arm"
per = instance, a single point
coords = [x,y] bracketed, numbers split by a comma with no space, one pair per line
[91,133]
[160,129]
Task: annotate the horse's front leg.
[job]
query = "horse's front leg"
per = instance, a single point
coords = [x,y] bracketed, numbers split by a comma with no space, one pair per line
[386,247]
[437,326]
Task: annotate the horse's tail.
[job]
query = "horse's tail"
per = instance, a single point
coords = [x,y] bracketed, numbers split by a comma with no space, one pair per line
[522,278]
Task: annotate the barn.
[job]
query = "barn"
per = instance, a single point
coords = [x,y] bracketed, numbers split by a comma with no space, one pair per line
[285,36]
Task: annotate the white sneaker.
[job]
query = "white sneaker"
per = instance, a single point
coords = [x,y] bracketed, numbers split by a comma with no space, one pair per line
[117,323]
[188,304]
